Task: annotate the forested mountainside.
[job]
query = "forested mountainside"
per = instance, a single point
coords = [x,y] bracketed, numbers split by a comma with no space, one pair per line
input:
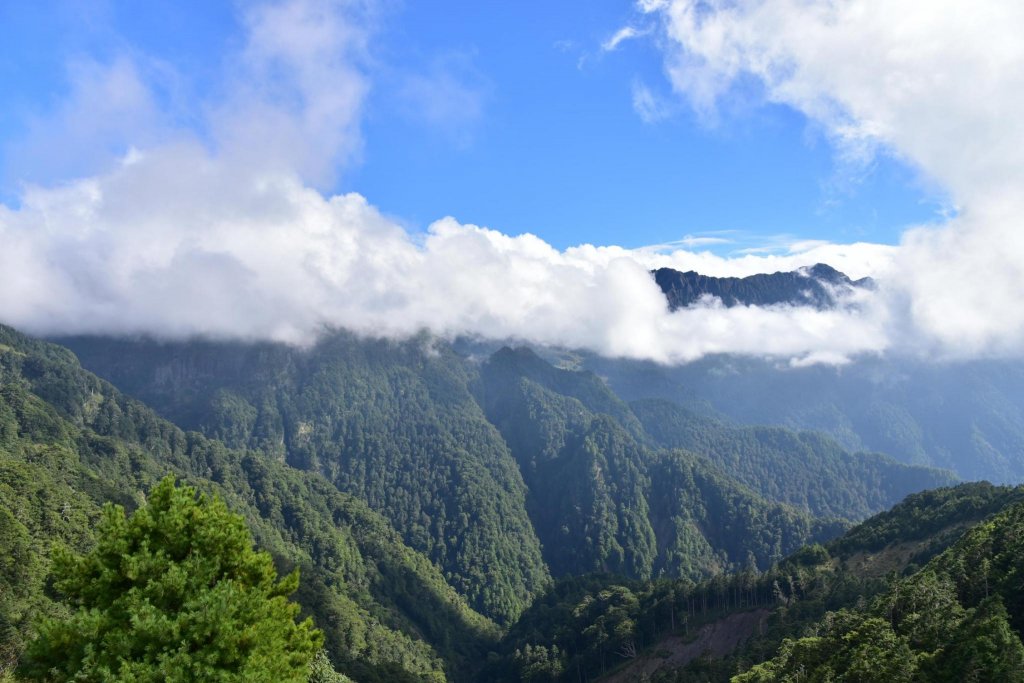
[907,593]
[70,441]
[408,483]
[960,618]
[393,424]
[602,501]
[967,417]
[806,469]
[474,462]
[819,285]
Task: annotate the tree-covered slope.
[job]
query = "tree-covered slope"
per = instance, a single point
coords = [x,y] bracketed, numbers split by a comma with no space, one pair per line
[472,465]
[391,423]
[475,463]
[933,516]
[174,592]
[485,466]
[805,469]
[601,627]
[960,618]
[967,417]
[69,442]
[603,500]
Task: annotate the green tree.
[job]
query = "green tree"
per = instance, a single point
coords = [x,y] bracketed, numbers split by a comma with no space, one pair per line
[322,671]
[175,592]
[986,648]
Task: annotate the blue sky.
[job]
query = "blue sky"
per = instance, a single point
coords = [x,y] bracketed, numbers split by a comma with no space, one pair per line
[508,115]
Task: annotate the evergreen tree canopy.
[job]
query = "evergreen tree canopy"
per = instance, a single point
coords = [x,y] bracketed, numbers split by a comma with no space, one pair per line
[175,592]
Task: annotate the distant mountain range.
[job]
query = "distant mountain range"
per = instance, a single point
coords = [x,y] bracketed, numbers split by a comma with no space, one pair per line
[965,416]
[820,286]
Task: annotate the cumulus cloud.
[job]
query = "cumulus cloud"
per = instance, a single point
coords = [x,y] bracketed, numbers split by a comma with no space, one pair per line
[295,92]
[937,83]
[289,96]
[179,243]
[225,233]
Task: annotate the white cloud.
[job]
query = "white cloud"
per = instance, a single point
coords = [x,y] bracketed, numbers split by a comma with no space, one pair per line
[180,243]
[108,107]
[648,106]
[857,260]
[691,241]
[295,92]
[290,96]
[622,35]
[226,237]
[936,82]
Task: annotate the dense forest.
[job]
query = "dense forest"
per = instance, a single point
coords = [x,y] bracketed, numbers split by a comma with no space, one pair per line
[507,470]
[934,602]
[805,469]
[960,618]
[451,517]
[392,424]
[70,442]
[967,417]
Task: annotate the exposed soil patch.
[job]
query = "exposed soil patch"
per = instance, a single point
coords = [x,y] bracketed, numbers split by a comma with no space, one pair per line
[896,556]
[718,638]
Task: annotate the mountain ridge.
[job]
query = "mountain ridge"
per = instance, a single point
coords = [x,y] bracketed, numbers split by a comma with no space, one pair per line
[299,404]
[820,286]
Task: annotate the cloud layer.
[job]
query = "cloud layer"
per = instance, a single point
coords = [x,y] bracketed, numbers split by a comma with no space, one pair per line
[176,242]
[935,82]
[220,230]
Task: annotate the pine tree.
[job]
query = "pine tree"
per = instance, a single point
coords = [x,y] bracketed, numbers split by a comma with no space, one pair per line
[174,592]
